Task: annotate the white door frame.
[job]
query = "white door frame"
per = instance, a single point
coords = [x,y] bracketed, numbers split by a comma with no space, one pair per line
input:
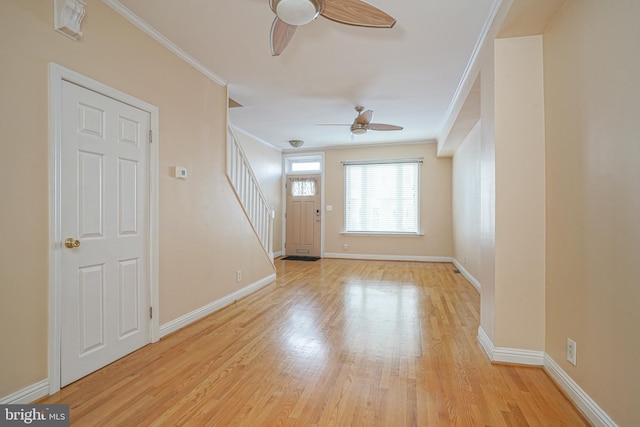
[58,74]
[283,202]
[317,231]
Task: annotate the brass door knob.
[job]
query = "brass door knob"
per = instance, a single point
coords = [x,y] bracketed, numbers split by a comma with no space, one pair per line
[72,243]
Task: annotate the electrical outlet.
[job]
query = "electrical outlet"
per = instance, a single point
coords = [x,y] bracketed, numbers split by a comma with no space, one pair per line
[345,247]
[239,276]
[571,352]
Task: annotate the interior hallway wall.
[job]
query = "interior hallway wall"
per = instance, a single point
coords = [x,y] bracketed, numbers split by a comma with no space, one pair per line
[593,199]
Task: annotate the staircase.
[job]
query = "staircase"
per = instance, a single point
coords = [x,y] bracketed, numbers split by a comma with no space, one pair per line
[248,191]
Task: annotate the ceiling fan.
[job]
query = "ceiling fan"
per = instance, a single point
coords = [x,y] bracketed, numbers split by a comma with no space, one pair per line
[290,14]
[362,123]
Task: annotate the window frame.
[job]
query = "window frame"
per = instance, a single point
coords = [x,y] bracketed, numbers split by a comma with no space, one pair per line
[418,177]
[290,160]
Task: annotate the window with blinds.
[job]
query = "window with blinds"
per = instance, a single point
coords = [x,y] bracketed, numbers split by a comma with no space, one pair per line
[382,197]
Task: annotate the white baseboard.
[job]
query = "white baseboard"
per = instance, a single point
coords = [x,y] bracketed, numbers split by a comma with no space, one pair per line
[485,342]
[41,389]
[206,310]
[582,400]
[509,355]
[27,395]
[466,274]
[277,254]
[373,257]
[517,356]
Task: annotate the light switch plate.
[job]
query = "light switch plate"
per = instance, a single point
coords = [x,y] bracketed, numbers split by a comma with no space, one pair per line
[181,172]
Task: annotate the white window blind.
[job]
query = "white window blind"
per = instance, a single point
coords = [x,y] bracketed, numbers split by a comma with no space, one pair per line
[382,197]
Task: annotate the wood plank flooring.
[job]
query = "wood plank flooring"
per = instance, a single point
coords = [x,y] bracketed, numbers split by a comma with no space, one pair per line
[330,343]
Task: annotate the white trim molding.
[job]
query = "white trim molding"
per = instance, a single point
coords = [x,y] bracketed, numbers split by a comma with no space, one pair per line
[509,355]
[67,17]
[376,257]
[476,284]
[589,408]
[582,400]
[492,25]
[27,395]
[216,305]
[160,38]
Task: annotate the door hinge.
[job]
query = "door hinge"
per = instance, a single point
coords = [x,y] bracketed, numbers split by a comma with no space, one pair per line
[150,136]
[150,312]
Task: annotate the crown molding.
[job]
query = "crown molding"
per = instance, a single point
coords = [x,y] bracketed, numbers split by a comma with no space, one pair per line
[157,36]
[488,34]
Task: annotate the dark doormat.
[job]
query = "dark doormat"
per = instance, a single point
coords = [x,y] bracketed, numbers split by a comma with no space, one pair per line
[301,258]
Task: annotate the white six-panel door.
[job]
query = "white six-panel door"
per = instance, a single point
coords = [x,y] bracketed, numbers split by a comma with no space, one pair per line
[104,215]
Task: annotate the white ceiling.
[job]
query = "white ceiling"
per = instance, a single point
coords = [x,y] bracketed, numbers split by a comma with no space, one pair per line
[408,75]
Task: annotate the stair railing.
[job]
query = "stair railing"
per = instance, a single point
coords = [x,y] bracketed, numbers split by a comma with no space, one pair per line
[249,193]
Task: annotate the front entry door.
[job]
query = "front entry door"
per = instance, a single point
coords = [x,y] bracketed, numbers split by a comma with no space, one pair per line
[303,216]
[104,222]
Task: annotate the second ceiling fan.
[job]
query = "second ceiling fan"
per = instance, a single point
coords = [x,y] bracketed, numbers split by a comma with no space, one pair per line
[290,14]
[362,123]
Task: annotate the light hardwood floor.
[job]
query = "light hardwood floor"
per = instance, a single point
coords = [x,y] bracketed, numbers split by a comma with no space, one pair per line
[331,343]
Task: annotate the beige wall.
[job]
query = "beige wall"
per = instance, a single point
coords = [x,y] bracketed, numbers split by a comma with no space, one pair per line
[466,197]
[520,197]
[435,205]
[565,212]
[487,194]
[592,88]
[506,155]
[266,163]
[203,239]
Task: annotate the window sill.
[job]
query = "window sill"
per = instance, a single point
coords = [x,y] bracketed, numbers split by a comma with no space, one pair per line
[371,234]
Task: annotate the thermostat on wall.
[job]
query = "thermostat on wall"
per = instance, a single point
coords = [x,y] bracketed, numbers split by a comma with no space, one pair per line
[181,172]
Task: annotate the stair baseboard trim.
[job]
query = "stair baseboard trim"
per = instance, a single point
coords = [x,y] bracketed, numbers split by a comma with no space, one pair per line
[509,355]
[375,257]
[214,306]
[577,395]
[27,395]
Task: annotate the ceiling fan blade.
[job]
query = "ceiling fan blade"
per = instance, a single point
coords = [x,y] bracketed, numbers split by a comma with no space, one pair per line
[281,34]
[364,117]
[356,12]
[382,126]
[332,124]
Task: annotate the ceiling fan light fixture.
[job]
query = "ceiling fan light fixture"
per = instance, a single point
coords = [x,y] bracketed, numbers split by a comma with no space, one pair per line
[358,129]
[296,143]
[297,12]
